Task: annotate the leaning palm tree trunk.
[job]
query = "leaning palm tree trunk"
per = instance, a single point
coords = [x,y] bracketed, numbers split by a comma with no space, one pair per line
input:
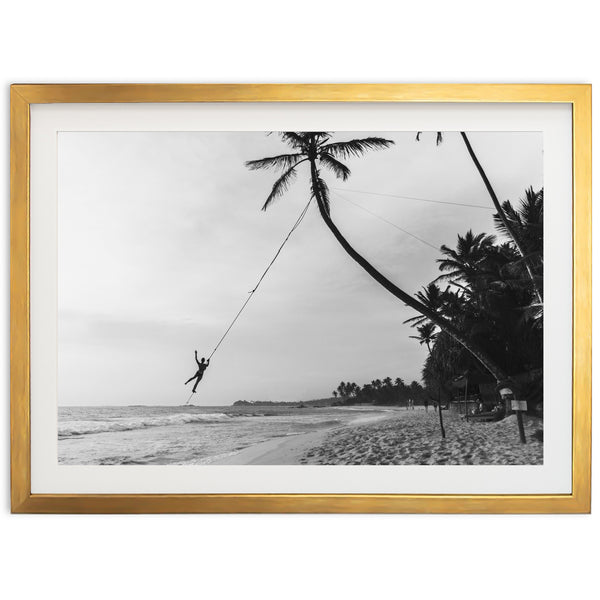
[440,321]
[502,215]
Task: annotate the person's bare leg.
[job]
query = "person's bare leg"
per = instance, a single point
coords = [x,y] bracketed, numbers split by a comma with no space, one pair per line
[197,382]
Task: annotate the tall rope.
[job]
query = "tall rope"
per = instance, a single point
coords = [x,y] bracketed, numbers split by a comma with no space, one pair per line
[370,212]
[253,291]
[418,199]
[297,223]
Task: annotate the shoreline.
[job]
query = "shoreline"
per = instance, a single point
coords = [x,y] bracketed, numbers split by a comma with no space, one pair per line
[290,450]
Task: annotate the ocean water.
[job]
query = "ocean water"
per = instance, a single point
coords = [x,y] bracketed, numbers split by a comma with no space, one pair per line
[167,435]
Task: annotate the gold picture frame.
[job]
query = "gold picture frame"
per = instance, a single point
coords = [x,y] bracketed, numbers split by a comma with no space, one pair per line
[23,501]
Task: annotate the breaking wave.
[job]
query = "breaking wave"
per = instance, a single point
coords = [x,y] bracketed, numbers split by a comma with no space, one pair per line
[75,428]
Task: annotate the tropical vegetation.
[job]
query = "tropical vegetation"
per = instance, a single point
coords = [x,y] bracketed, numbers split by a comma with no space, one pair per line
[383,392]
[485,288]
[483,314]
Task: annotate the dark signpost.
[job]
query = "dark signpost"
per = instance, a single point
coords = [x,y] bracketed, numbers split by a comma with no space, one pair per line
[508,395]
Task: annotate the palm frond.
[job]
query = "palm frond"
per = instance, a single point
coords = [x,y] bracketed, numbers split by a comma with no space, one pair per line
[340,169]
[511,215]
[296,139]
[427,333]
[356,147]
[283,161]
[414,321]
[280,186]
[532,257]
[526,220]
[320,136]
[457,275]
[431,296]
[535,313]
[532,207]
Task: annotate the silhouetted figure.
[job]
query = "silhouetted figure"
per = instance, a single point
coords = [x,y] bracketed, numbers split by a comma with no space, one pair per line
[202,365]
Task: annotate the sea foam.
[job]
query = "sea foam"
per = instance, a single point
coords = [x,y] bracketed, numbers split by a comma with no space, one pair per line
[75,428]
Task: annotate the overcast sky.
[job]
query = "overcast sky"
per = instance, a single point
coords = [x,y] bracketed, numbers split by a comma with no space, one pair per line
[161,238]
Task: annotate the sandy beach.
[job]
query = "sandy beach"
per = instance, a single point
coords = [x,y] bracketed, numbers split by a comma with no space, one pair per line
[414,439]
[403,438]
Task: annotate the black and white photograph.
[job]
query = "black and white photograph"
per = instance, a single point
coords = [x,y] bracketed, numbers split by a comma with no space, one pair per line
[300,298]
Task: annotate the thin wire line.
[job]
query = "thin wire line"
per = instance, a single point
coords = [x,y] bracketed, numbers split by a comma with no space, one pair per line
[414,198]
[253,291]
[388,222]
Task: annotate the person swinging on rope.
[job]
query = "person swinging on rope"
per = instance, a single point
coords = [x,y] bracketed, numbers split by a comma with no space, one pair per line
[202,365]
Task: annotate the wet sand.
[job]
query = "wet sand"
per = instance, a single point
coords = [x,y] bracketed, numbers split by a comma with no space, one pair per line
[279,451]
[290,450]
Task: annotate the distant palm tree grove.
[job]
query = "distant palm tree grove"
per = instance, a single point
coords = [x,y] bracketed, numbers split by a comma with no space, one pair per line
[383,392]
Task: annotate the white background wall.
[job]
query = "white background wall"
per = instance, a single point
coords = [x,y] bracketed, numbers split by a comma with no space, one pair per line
[290,556]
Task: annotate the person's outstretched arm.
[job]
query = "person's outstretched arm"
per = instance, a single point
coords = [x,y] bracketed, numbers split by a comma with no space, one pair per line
[196,357]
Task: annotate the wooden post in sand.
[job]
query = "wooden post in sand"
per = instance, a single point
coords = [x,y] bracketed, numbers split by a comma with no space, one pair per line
[518,406]
[440,413]
[520,424]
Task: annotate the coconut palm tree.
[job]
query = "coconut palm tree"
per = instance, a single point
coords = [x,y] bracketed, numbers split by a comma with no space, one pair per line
[468,261]
[501,215]
[491,300]
[528,225]
[315,149]
[527,221]
[508,226]
[434,298]
[400,389]
[427,335]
